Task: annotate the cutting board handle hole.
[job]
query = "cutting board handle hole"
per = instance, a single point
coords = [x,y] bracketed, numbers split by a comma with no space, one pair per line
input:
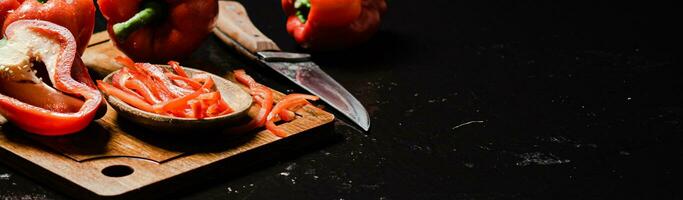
[117,171]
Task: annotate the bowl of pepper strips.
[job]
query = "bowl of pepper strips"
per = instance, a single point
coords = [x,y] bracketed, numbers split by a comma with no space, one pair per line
[174,99]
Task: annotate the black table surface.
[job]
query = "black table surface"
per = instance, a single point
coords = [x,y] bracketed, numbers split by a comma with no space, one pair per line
[477,100]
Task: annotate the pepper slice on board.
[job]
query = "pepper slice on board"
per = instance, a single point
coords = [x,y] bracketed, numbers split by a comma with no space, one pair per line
[332,24]
[67,103]
[288,103]
[158,30]
[267,112]
[262,95]
[76,15]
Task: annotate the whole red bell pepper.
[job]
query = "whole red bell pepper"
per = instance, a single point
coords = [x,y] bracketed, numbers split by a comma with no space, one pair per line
[76,15]
[158,30]
[67,103]
[332,24]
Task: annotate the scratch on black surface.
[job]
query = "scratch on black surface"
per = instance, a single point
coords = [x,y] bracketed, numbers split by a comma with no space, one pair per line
[539,158]
[467,123]
[249,194]
[345,124]
[474,95]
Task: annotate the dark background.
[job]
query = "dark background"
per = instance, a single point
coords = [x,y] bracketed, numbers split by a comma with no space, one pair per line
[478,100]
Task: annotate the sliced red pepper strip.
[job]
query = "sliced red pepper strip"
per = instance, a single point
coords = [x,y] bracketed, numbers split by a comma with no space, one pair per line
[141,89]
[209,98]
[267,113]
[181,101]
[125,61]
[270,125]
[181,84]
[292,105]
[289,101]
[175,104]
[226,111]
[279,111]
[224,106]
[175,89]
[263,96]
[139,75]
[265,107]
[178,69]
[212,110]
[287,115]
[192,83]
[119,80]
[266,104]
[197,109]
[157,75]
[242,77]
[200,78]
[220,107]
[135,85]
[185,111]
[125,96]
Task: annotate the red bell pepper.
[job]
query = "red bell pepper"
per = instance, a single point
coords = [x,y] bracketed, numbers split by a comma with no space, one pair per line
[76,15]
[30,103]
[158,30]
[332,24]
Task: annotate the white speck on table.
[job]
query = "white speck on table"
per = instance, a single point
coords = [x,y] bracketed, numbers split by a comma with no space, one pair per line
[5,176]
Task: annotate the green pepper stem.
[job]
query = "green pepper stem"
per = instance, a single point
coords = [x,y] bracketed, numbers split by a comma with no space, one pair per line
[42,1]
[151,11]
[302,8]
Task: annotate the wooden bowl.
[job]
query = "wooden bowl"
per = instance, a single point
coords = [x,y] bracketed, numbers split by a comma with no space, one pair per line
[238,99]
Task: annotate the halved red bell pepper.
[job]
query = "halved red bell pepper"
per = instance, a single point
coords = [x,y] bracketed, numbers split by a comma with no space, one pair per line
[68,103]
[76,15]
[158,30]
[332,24]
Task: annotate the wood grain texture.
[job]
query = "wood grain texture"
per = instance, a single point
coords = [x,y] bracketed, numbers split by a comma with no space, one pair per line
[234,21]
[154,157]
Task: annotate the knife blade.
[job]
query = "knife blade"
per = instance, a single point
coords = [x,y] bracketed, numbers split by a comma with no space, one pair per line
[234,27]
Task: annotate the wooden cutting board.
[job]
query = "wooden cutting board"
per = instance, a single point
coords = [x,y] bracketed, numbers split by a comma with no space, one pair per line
[115,158]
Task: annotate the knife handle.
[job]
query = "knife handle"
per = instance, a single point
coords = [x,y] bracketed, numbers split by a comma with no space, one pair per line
[235,23]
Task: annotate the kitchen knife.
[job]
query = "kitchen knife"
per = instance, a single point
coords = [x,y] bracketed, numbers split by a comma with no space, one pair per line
[236,29]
